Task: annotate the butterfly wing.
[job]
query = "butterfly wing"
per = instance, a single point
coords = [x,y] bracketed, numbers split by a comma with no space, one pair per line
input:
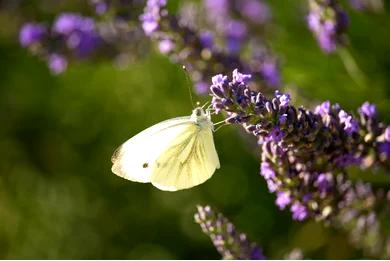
[189,160]
[134,159]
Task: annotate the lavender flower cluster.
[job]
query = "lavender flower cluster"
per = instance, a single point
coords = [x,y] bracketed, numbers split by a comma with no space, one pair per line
[305,154]
[75,37]
[230,243]
[196,48]
[72,33]
[328,22]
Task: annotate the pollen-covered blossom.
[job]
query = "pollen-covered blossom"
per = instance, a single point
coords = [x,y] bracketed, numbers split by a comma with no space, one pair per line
[328,22]
[305,154]
[229,242]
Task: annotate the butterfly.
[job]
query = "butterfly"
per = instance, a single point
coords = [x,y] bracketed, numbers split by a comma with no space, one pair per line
[175,154]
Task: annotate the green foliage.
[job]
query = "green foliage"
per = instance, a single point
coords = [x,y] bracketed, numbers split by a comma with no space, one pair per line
[59,199]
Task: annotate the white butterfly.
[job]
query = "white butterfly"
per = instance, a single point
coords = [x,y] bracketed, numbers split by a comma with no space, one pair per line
[174,154]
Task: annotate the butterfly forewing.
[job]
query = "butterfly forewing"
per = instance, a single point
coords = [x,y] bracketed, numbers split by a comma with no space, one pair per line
[134,159]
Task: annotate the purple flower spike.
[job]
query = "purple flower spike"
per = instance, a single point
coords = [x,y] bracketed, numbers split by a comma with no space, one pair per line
[229,242]
[328,22]
[31,33]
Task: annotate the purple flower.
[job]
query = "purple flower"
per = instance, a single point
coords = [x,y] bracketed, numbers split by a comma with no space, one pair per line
[387,134]
[149,23]
[67,23]
[57,63]
[283,119]
[229,242]
[151,17]
[368,110]
[80,33]
[384,149]
[266,170]
[240,77]
[219,79]
[31,33]
[101,6]
[257,254]
[284,99]
[236,32]
[299,211]
[282,199]
[201,87]
[272,185]
[218,10]
[206,39]
[328,22]
[350,124]
[347,160]
[323,109]
[257,11]
[166,45]
[323,181]
[275,135]
[270,72]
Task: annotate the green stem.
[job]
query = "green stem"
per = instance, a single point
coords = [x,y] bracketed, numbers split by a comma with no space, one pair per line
[352,68]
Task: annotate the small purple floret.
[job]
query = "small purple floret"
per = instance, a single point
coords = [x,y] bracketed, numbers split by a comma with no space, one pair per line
[283,199]
[368,110]
[240,77]
[299,211]
[350,124]
[57,63]
[31,33]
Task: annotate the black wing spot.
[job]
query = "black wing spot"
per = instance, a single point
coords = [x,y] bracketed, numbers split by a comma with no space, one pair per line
[145,165]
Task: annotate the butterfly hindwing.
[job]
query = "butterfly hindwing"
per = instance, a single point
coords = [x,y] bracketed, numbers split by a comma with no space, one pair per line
[188,161]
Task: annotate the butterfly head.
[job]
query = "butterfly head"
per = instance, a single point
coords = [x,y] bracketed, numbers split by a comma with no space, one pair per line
[201,117]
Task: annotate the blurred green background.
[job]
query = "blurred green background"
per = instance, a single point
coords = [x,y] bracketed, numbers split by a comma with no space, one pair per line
[58,197]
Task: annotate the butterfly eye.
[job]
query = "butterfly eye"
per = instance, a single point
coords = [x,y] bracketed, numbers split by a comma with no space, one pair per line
[198,112]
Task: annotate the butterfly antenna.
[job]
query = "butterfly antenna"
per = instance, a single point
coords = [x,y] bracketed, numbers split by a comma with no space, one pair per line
[225,124]
[204,105]
[189,84]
